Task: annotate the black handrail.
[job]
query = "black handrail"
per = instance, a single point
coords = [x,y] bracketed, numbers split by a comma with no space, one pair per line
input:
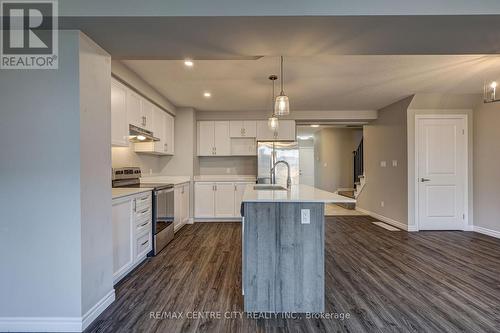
[358,162]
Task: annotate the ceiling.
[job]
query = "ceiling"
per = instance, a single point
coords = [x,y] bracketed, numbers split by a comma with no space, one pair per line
[328,82]
[244,37]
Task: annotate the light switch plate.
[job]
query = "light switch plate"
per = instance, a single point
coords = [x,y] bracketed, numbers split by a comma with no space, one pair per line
[305,216]
[383,164]
[394,163]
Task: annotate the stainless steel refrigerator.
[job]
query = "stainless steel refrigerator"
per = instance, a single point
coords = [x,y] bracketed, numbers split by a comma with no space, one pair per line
[270,152]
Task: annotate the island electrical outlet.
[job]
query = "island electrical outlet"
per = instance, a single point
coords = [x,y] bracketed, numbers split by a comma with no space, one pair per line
[305,216]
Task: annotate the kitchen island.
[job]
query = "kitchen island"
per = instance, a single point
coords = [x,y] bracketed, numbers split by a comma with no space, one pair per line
[283,248]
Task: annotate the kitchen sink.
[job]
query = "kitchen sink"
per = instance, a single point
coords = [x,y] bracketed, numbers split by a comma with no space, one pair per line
[269,187]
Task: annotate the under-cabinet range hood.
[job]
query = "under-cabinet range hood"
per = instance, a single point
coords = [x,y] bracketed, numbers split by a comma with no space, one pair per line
[137,135]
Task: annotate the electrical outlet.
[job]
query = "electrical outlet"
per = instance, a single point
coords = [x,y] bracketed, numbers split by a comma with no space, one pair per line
[382,204]
[305,216]
[228,170]
[383,164]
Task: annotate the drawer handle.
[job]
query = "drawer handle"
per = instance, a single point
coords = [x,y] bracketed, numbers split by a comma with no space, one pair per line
[144,211]
[142,225]
[144,243]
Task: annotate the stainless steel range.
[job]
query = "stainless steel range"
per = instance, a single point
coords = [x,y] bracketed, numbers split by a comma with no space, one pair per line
[163,204]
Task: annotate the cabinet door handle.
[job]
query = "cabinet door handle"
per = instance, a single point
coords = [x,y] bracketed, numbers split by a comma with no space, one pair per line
[145,243]
[135,205]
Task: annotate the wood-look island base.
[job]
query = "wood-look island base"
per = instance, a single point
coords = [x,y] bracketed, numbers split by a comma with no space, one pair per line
[283,259]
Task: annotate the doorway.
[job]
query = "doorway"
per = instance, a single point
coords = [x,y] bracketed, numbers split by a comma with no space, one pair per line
[306,162]
[441,160]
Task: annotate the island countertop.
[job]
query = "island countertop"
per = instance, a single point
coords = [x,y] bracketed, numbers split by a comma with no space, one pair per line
[297,193]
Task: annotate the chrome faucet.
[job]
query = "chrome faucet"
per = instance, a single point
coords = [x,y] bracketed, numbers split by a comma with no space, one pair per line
[273,173]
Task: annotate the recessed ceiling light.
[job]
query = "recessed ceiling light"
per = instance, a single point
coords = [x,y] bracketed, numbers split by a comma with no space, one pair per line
[188,63]
[314,125]
[207,94]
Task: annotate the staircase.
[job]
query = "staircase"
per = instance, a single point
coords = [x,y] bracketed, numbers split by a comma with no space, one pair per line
[359,176]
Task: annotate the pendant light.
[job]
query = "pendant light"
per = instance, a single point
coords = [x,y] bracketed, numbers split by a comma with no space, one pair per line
[272,122]
[490,92]
[282,104]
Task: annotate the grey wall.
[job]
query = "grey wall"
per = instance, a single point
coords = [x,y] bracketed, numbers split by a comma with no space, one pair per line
[333,147]
[385,140]
[486,166]
[40,194]
[95,177]
[55,231]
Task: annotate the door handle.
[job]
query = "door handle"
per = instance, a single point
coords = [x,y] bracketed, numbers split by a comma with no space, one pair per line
[423,180]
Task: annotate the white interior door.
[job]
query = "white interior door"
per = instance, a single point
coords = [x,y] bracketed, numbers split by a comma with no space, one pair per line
[441,171]
[306,165]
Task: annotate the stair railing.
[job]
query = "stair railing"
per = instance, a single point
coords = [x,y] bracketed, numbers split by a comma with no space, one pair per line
[358,162]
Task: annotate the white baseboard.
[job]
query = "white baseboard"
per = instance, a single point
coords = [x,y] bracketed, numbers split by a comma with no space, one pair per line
[56,324]
[387,220]
[485,231]
[97,309]
[40,324]
[227,219]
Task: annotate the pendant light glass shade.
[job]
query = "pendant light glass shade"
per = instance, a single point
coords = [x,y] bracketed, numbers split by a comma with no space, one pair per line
[490,92]
[272,123]
[282,104]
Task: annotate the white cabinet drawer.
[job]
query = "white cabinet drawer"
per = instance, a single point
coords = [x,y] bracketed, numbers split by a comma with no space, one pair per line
[142,202]
[142,214]
[141,226]
[143,244]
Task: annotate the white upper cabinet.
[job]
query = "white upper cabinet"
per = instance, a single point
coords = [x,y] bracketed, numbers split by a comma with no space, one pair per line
[159,129]
[119,124]
[163,129]
[169,132]
[222,142]
[243,128]
[206,138]
[146,114]
[285,132]
[128,107]
[139,110]
[213,138]
[134,113]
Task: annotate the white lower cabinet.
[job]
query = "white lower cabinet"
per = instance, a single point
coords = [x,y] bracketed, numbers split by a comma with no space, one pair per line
[224,199]
[218,199]
[239,189]
[132,232]
[182,207]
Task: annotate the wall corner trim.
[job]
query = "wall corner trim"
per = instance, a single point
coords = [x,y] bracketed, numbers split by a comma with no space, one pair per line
[388,220]
[56,324]
[485,231]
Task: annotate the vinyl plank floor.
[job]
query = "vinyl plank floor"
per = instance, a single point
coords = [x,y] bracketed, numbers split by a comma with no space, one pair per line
[442,281]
